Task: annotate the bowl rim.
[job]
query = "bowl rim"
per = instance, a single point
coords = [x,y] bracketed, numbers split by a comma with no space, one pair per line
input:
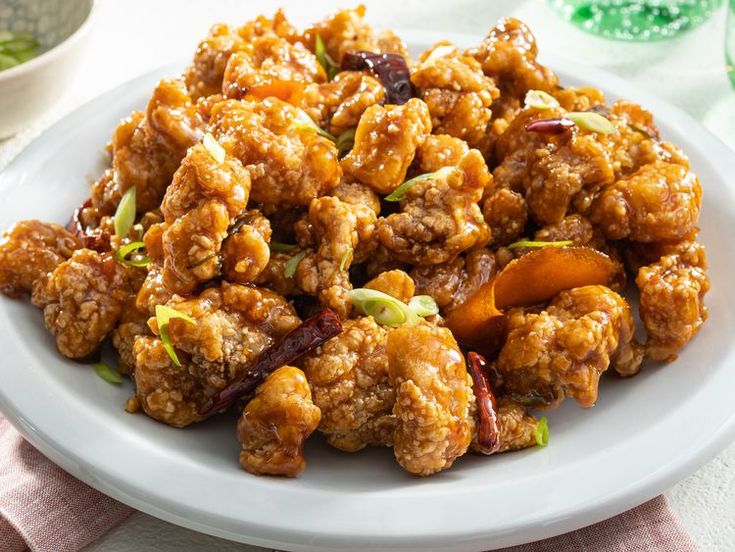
[55,51]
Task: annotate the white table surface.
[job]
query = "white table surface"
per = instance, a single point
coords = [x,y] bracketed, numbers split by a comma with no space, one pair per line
[131,37]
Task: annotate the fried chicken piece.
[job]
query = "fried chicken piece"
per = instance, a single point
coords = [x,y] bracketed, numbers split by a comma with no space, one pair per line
[562,350]
[672,299]
[457,92]
[275,424]
[433,398]
[453,282]
[346,31]
[395,283]
[289,163]
[82,300]
[204,75]
[516,427]
[349,381]
[508,55]
[338,227]
[274,276]
[278,25]
[659,202]
[245,252]
[234,325]
[29,250]
[200,205]
[266,60]
[153,291]
[440,150]
[506,213]
[439,217]
[385,144]
[133,323]
[338,105]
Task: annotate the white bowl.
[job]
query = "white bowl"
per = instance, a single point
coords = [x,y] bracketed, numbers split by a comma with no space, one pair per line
[29,89]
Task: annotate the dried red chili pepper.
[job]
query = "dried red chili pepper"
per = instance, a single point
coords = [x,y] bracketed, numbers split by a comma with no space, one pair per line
[391,70]
[99,241]
[488,432]
[549,126]
[308,336]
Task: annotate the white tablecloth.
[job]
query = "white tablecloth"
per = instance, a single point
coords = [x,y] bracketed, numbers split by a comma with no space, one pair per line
[134,36]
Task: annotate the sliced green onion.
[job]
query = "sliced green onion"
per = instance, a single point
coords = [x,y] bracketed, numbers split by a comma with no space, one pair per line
[289,269]
[6,62]
[345,141]
[591,121]
[423,305]
[125,213]
[163,315]
[384,308]
[110,375]
[325,60]
[531,243]
[399,193]
[538,99]
[542,432]
[214,148]
[345,259]
[125,250]
[279,247]
[304,122]
[16,48]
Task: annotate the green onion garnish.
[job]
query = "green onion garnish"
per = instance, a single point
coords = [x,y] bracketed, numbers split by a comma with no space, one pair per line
[214,148]
[289,269]
[325,60]
[423,305]
[345,141]
[6,61]
[384,308]
[538,99]
[125,213]
[399,193]
[304,122]
[16,48]
[531,243]
[110,375]
[122,253]
[279,247]
[163,315]
[591,121]
[542,432]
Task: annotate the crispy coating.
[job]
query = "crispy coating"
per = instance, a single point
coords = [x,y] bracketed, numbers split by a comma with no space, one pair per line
[234,325]
[433,398]
[274,276]
[82,300]
[275,424]
[349,380]
[562,350]
[288,162]
[346,31]
[200,205]
[245,252]
[506,213]
[516,427]
[395,283]
[385,144]
[457,92]
[29,250]
[339,104]
[133,323]
[153,291]
[204,75]
[439,217]
[660,201]
[672,299]
[440,150]
[453,282]
[267,59]
[580,98]
[337,227]
[147,149]
[508,55]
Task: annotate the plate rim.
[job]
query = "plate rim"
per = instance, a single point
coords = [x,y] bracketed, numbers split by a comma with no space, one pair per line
[278,536]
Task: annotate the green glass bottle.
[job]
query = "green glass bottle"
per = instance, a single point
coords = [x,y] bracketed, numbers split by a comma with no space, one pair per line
[641,20]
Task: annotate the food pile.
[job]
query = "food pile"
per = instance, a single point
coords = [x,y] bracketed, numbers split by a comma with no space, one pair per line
[318,230]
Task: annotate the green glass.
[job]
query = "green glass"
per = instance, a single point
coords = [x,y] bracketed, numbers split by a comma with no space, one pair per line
[642,20]
[730,42]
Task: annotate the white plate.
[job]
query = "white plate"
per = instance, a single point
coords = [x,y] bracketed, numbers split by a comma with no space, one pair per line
[644,434]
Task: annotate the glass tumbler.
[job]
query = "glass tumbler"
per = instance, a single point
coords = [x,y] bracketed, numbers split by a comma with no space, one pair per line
[640,20]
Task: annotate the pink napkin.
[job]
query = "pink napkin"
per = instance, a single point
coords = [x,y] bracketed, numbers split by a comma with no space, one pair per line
[45,509]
